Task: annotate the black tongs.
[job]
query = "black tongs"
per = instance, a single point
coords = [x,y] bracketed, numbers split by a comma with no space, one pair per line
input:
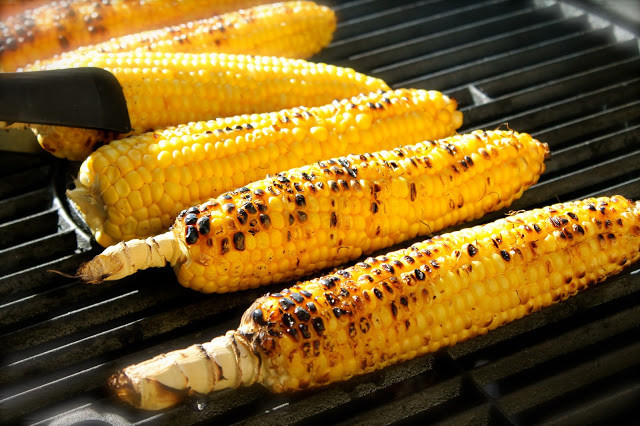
[76,97]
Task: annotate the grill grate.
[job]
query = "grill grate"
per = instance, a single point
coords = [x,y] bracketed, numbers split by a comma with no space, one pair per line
[546,67]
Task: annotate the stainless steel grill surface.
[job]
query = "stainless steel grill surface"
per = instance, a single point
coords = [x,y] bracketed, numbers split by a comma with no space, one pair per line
[556,69]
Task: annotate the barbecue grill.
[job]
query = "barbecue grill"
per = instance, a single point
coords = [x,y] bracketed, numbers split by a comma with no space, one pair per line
[563,71]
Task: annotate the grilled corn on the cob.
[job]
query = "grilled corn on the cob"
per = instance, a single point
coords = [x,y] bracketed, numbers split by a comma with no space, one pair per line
[164,89]
[396,307]
[296,29]
[331,212]
[135,187]
[60,26]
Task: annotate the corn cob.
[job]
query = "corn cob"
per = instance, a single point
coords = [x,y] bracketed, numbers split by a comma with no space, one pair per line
[60,26]
[164,89]
[396,307]
[135,187]
[328,213]
[296,29]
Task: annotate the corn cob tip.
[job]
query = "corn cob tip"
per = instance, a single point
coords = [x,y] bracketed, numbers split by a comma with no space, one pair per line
[125,258]
[223,363]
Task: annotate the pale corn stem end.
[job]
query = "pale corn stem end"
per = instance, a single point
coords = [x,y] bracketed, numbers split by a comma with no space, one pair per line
[225,362]
[126,258]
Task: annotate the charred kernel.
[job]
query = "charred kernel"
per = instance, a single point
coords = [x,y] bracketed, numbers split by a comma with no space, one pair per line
[191,235]
[259,192]
[338,312]
[282,179]
[261,207]
[306,293]
[228,208]
[378,293]
[537,228]
[265,220]
[505,254]
[287,320]
[344,292]
[182,214]
[249,208]
[258,317]
[278,295]
[302,314]
[365,278]
[203,225]
[394,309]
[238,241]
[297,297]
[451,149]
[607,223]
[318,324]
[344,184]
[344,273]
[292,332]
[329,282]
[292,219]
[468,160]
[419,274]
[410,260]
[311,306]
[472,250]
[331,299]
[387,286]
[300,201]
[387,268]
[572,215]
[302,216]
[591,207]
[334,220]
[374,208]
[434,264]
[227,196]
[286,304]
[555,221]
[611,236]
[304,330]
[404,301]
[190,219]
[364,325]
[352,330]
[412,191]
[333,185]
[224,246]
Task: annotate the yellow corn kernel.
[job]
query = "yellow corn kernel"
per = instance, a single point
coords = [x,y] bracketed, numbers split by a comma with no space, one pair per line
[296,29]
[247,211]
[227,169]
[57,27]
[390,315]
[188,87]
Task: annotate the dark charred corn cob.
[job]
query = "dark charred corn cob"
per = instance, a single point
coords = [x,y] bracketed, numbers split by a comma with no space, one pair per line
[407,303]
[296,29]
[59,26]
[135,187]
[165,89]
[328,213]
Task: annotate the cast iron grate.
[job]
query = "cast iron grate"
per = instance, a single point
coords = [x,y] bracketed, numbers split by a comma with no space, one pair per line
[551,68]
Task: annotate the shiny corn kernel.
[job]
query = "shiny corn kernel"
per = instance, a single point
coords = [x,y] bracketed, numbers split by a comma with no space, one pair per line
[229,165]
